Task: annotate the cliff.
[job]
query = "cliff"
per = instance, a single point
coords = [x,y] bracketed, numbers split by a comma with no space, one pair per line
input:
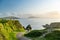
[9,29]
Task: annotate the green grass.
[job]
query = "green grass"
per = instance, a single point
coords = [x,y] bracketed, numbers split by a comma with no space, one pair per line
[34,33]
[55,35]
[9,29]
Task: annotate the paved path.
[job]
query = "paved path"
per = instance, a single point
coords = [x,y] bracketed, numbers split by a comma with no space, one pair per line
[24,38]
[21,37]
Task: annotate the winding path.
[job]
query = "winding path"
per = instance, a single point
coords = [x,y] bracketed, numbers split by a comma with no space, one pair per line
[21,37]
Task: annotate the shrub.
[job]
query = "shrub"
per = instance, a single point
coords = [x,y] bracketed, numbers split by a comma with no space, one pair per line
[55,35]
[33,34]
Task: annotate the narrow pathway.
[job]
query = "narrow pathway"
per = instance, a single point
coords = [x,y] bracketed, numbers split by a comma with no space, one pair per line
[21,37]
[24,38]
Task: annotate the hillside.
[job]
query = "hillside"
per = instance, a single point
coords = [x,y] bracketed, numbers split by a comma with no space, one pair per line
[35,35]
[55,35]
[9,29]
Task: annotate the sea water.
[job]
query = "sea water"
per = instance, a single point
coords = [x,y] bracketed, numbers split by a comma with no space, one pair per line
[36,23]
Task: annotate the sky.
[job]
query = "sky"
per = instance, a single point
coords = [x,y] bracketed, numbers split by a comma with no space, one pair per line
[26,8]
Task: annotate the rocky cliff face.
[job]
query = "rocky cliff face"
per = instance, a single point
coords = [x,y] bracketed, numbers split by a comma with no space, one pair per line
[9,29]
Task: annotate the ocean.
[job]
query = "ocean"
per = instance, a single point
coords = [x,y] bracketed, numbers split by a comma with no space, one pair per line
[36,23]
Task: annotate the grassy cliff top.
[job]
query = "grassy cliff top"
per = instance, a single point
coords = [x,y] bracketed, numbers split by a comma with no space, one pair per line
[9,29]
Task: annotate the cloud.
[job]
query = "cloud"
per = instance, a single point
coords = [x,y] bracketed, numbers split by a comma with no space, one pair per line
[11,14]
[53,14]
[8,14]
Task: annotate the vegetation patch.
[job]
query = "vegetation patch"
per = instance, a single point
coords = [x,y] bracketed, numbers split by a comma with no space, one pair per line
[55,35]
[9,29]
[34,33]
